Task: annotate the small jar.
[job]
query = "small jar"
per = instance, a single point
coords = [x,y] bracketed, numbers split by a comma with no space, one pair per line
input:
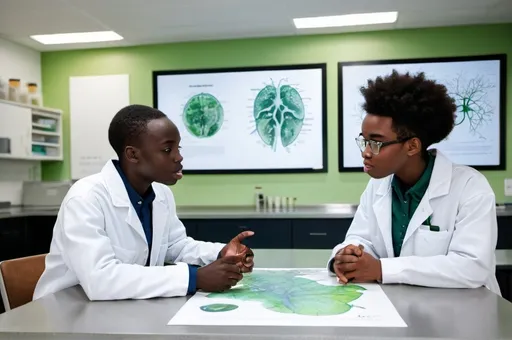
[33,96]
[14,90]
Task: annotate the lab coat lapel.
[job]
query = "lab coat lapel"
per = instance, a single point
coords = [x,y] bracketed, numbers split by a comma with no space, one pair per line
[423,211]
[133,221]
[160,219]
[382,210]
[119,197]
[439,186]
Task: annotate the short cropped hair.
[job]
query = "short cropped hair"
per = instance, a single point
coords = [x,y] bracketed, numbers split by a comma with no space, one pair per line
[128,124]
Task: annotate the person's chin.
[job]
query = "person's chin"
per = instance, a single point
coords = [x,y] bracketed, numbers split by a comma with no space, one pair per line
[375,174]
[171,181]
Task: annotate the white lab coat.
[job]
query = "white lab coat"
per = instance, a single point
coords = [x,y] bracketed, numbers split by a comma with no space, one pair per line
[99,243]
[460,255]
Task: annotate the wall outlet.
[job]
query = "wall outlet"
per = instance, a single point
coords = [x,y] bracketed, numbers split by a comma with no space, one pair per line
[508,187]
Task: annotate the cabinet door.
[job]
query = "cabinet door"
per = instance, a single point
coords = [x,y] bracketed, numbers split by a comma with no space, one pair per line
[268,233]
[319,233]
[15,124]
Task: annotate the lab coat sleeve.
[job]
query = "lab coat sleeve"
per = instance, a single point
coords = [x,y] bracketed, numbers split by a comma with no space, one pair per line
[359,231]
[87,251]
[470,258]
[185,249]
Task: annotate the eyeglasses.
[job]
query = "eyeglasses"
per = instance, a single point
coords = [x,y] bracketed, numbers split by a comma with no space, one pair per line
[375,146]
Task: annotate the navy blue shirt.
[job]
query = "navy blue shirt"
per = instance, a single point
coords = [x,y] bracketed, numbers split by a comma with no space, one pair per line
[144,207]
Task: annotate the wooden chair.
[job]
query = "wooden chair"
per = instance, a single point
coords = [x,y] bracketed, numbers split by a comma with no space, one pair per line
[18,279]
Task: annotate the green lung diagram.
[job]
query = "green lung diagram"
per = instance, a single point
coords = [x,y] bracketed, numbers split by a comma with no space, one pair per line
[279,115]
[203,115]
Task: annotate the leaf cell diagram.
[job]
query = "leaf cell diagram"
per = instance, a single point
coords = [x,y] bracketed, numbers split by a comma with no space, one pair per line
[279,115]
[471,98]
[203,115]
[287,292]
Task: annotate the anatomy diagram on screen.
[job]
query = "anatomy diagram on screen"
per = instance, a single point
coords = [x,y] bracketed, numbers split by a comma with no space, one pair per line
[203,115]
[473,104]
[278,114]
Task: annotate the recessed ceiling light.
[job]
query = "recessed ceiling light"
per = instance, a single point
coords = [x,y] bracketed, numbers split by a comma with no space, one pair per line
[346,20]
[75,38]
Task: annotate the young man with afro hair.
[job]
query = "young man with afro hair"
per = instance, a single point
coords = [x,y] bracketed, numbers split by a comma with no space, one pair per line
[116,230]
[422,220]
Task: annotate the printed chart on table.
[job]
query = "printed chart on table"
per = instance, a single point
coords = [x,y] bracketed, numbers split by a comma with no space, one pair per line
[291,297]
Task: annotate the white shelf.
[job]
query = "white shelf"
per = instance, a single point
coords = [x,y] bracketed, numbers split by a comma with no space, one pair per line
[53,145]
[44,133]
[33,131]
[41,126]
[37,157]
[32,107]
[45,114]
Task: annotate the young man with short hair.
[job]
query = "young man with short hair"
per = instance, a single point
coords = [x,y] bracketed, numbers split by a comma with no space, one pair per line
[116,229]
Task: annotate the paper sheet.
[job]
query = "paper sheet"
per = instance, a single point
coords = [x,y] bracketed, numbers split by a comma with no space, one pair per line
[291,297]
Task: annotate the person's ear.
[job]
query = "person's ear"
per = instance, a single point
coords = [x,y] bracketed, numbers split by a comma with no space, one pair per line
[413,146]
[132,154]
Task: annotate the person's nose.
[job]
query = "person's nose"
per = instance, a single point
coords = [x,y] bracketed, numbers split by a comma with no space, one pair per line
[178,157]
[367,152]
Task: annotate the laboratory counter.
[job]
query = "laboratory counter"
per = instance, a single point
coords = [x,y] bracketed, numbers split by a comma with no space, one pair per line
[334,211]
[430,313]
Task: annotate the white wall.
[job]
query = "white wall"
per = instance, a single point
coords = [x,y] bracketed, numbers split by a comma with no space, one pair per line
[21,62]
[17,61]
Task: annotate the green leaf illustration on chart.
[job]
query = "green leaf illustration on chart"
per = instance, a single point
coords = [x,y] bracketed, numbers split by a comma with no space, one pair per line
[287,292]
[203,115]
[218,307]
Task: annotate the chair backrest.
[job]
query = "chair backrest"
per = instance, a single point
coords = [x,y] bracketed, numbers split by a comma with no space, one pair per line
[18,279]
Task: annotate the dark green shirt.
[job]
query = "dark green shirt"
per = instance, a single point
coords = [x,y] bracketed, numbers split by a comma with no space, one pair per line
[404,204]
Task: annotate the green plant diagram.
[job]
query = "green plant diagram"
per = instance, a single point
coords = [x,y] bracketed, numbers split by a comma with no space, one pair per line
[218,307]
[471,98]
[279,114]
[287,292]
[203,115]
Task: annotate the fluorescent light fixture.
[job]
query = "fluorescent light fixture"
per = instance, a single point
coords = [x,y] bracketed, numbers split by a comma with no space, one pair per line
[76,38]
[346,20]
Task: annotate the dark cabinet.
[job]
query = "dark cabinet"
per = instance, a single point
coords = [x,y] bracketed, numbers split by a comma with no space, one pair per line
[504,232]
[190,227]
[319,233]
[268,233]
[12,238]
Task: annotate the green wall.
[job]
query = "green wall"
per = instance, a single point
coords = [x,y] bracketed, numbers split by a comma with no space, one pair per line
[331,187]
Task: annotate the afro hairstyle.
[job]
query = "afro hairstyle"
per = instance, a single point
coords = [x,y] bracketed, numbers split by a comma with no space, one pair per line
[418,107]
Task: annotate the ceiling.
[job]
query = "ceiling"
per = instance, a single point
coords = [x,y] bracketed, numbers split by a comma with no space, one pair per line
[159,21]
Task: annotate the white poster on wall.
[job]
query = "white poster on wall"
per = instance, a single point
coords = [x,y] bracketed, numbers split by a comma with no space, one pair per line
[93,102]
[476,85]
[247,120]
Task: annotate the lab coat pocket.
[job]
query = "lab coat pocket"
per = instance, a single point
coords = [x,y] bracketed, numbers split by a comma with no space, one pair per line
[124,255]
[431,243]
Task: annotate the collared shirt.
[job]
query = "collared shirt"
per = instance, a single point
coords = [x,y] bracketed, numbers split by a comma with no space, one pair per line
[405,202]
[144,207]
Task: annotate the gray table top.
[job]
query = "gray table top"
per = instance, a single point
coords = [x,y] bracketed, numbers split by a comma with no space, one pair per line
[334,211]
[429,313]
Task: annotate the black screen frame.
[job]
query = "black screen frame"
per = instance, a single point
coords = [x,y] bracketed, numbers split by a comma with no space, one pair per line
[321,66]
[502,58]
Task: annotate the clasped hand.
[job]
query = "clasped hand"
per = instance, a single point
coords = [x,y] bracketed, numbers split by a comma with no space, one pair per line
[353,264]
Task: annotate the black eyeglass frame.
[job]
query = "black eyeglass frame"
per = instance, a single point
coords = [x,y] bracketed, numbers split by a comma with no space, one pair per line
[379,145]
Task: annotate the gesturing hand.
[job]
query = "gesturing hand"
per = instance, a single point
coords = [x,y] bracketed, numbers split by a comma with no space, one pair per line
[357,266]
[236,248]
